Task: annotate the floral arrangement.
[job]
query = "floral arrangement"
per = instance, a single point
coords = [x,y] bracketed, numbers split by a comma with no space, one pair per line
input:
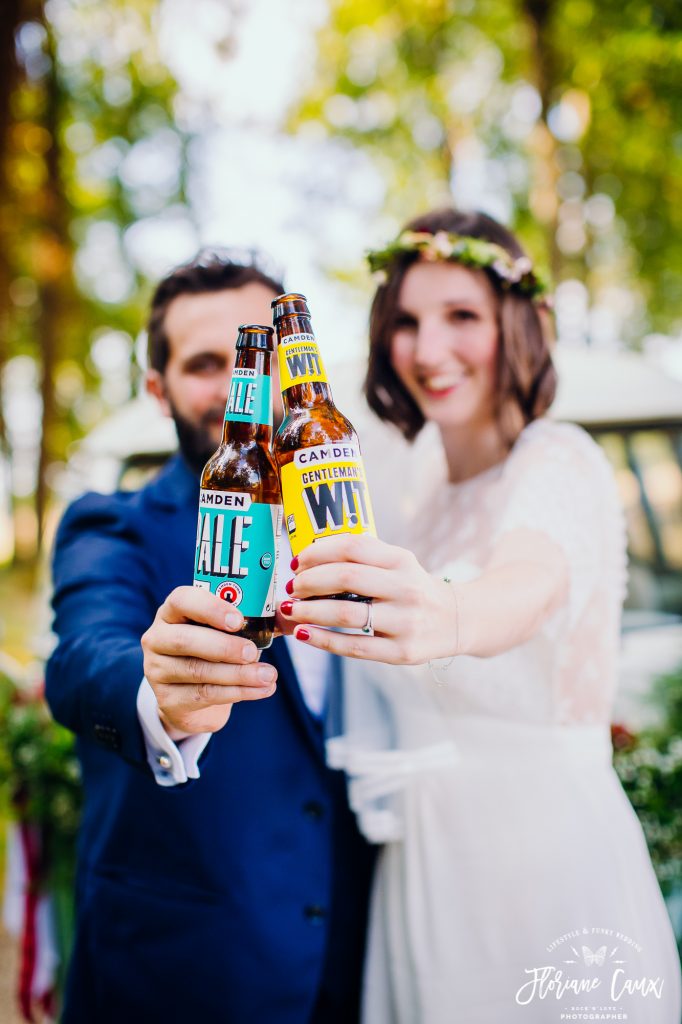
[39,767]
[40,777]
[649,766]
[515,273]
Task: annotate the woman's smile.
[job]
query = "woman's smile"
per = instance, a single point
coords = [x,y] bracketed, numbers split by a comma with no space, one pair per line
[441,385]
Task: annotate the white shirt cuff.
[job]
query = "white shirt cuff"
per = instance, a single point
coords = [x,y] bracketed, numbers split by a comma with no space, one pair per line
[171,763]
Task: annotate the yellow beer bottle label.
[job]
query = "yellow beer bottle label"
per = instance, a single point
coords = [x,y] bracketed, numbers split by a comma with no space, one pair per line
[324,492]
[299,361]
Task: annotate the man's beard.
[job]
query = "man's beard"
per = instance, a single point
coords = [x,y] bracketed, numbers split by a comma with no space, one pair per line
[196,442]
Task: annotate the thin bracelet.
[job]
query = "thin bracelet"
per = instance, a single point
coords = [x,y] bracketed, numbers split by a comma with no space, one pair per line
[445,664]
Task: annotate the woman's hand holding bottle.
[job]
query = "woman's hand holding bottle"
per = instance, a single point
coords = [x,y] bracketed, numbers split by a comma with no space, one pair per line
[413,614]
[417,617]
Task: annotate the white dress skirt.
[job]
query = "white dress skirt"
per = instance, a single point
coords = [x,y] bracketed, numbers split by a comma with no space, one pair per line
[514,883]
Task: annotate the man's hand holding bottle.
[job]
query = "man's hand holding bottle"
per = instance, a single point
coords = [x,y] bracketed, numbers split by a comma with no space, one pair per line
[197,668]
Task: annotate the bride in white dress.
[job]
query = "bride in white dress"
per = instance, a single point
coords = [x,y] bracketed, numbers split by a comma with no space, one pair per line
[514,883]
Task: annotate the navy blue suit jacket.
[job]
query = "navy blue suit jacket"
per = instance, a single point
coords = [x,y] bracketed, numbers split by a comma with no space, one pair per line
[238,898]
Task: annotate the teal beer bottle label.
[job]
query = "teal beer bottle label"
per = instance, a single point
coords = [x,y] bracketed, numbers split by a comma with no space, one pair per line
[250,397]
[236,552]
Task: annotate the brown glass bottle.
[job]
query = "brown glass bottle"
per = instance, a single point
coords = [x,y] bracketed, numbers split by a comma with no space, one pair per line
[240,506]
[317,450]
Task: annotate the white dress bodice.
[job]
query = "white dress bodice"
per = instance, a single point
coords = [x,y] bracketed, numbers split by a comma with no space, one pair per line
[556,482]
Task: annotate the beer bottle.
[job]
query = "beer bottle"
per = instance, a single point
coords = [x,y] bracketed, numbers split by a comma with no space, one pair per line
[240,510]
[324,490]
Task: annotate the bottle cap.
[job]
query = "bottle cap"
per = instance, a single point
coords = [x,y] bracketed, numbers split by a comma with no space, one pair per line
[255,336]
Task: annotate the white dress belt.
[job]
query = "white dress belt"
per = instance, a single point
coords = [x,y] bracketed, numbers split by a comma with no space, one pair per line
[374,775]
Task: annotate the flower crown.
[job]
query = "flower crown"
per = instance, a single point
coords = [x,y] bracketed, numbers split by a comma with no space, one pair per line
[513,272]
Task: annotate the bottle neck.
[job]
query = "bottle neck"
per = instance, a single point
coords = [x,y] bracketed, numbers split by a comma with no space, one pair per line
[248,412]
[303,378]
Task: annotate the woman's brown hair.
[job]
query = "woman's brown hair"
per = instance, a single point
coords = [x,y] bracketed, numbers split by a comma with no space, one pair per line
[526,378]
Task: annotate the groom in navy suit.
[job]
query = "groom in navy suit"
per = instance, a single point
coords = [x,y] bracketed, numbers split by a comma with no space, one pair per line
[221,875]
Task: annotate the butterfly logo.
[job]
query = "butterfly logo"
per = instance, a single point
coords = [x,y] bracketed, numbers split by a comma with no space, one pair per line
[598,957]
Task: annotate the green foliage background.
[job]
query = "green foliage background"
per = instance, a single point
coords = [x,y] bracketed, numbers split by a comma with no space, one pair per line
[650,767]
[82,84]
[574,107]
[387,68]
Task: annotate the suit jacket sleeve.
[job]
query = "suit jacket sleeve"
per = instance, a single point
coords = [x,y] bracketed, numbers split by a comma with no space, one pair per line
[104,600]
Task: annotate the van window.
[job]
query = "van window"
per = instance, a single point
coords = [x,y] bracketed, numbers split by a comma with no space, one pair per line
[648,469]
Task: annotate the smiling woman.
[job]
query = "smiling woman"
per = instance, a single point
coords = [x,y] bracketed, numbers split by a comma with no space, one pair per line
[476,717]
[474,301]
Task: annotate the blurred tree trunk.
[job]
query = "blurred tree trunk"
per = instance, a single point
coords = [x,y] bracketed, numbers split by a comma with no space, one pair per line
[539,15]
[11,18]
[13,14]
[54,274]
[43,315]
[46,236]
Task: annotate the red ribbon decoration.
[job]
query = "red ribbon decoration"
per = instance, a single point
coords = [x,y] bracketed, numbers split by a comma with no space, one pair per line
[32,847]
[30,844]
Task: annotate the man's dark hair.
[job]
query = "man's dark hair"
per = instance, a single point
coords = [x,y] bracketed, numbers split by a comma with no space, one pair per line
[211,270]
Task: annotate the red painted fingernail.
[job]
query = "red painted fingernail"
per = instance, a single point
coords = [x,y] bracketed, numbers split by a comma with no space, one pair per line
[294,563]
[287,607]
[302,634]
[289,587]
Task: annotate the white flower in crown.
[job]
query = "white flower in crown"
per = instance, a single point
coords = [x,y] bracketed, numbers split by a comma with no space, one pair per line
[380,277]
[442,244]
[502,270]
[520,267]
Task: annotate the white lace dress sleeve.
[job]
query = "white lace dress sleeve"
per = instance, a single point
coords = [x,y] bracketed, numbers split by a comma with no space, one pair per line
[559,483]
